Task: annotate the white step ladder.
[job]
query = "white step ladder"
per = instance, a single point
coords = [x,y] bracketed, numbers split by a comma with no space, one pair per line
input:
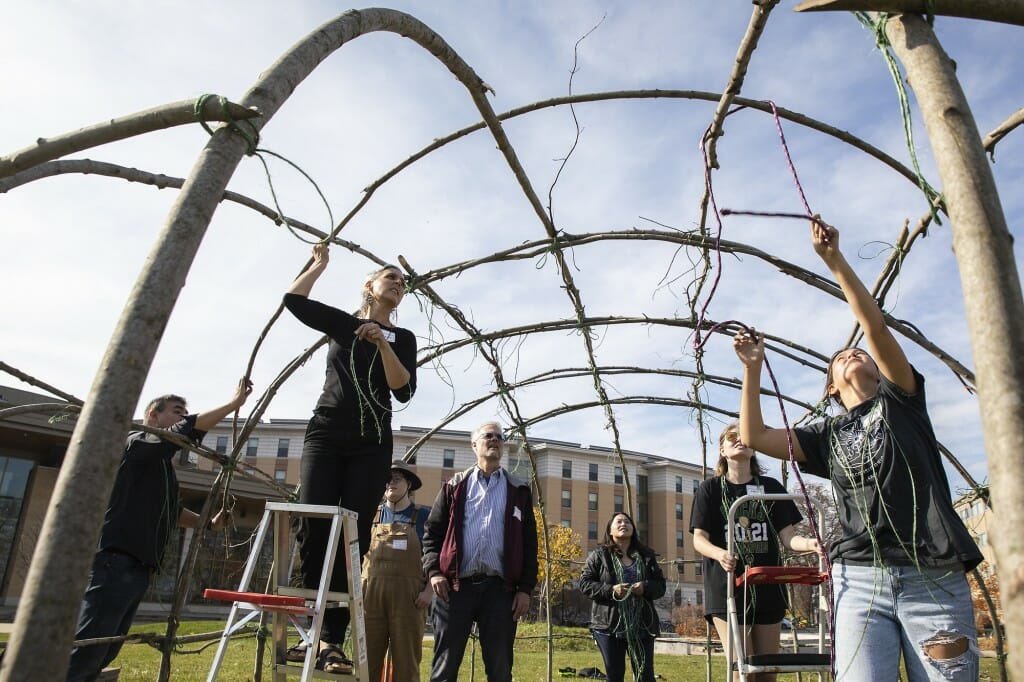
[290,605]
[736,657]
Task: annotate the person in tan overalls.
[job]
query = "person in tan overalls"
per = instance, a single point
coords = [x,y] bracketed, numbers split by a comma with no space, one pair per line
[395,591]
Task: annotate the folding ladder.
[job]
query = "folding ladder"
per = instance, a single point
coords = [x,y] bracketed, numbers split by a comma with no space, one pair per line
[290,605]
[735,651]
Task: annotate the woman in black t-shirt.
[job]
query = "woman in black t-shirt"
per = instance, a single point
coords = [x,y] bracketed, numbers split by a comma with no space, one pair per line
[347,449]
[760,527]
[898,584]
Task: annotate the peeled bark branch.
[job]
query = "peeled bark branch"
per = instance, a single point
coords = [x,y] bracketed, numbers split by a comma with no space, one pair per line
[1001,131]
[991,288]
[157,118]
[1003,11]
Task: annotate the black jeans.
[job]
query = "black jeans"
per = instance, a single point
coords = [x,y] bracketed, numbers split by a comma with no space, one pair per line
[614,650]
[345,469]
[116,586]
[489,604]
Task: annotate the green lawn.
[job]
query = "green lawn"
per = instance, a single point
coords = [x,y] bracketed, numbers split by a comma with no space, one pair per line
[140,663]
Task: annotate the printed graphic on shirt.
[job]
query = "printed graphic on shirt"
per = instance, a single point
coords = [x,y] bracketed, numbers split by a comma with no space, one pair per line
[752,529]
[858,446]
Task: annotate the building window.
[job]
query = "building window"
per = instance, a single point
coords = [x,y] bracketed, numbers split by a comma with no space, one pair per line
[677,598]
[618,475]
[14,475]
[641,486]
[566,499]
[698,569]
[680,567]
[679,512]
[592,530]
[593,472]
[565,523]
[222,445]
[566,468]
[679,484]
[251,446]
[187,458]
[280,475]
[699,597]
[679,538]
[696,484]
[282,447]
[591,501]
[449,459]
[618,504]
[642,513]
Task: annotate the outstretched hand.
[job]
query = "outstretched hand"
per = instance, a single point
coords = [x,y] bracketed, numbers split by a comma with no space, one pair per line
[242,392]
[749,347]
[824,239]
[321,255]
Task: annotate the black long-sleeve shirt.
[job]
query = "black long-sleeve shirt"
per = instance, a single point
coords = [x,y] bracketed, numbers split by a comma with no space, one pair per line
[355,393]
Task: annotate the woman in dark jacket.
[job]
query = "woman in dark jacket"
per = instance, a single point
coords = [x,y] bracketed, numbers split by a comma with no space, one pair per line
[623,578]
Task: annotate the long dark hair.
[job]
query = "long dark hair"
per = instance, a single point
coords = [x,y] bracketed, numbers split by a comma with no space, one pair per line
[635,545]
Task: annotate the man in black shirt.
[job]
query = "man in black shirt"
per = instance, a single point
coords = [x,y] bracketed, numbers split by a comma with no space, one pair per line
[143,511]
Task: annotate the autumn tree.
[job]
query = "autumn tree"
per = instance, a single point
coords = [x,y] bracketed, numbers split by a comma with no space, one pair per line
[566,548]
[982,614]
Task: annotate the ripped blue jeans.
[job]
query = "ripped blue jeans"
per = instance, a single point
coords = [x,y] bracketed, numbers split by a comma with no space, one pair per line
[881,612]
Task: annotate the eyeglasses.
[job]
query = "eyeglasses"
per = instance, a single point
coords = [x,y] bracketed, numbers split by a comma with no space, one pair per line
[731,437]
[490,435]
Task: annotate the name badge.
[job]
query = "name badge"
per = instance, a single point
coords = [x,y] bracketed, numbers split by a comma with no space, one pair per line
[389,335]
[400,544]
[517,513]
[755,489]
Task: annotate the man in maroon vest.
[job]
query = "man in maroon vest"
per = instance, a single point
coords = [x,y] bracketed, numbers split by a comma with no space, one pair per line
[480,554]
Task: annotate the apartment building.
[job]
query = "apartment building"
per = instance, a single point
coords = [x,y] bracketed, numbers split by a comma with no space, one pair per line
[977,516]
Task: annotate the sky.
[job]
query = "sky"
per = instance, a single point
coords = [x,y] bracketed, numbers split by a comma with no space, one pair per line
[71,246]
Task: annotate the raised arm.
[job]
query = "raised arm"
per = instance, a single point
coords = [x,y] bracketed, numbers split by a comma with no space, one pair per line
[210,418]
[882,345]
[749,347]
[303,284]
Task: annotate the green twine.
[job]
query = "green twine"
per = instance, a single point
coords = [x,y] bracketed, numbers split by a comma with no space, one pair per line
[252,140]
[882,42]
[550,251]
[629,609]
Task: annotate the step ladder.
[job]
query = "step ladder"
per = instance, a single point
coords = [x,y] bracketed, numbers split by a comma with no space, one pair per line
[735,652]
[290,605]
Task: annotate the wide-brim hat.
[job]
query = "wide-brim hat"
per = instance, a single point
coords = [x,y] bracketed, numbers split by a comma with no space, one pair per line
[406,470]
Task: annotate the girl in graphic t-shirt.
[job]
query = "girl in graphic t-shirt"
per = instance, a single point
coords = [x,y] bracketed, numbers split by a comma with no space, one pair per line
[760,527]
[898,568]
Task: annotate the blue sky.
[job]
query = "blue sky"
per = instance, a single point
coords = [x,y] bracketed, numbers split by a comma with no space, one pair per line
[71,246]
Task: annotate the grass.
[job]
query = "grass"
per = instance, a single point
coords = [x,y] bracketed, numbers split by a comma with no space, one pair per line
[140,663]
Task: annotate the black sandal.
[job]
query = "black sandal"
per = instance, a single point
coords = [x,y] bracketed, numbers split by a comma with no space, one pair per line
[332,660]
[296,653]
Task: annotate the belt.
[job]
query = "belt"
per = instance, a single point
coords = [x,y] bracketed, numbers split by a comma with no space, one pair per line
[479,578]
